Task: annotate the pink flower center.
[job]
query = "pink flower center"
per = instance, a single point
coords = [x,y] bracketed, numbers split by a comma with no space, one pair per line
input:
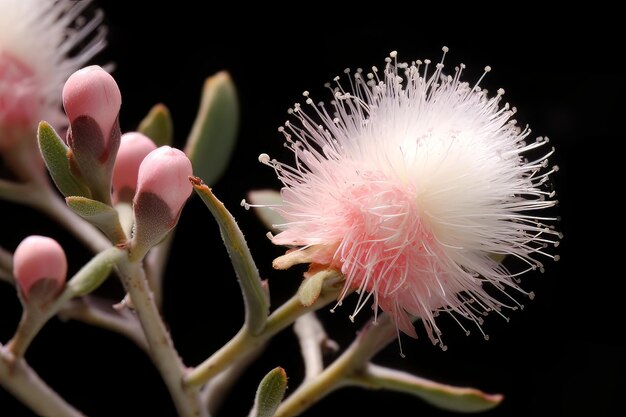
[18,99]
[386,241]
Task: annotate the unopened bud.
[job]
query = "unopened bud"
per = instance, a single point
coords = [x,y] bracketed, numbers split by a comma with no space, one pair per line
[92,101]
[163,187]
[134,147]
[39,261]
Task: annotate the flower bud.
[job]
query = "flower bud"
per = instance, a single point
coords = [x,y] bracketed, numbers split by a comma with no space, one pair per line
[91,91]
[163,187]
[38,260]
[92,101]
[134,147]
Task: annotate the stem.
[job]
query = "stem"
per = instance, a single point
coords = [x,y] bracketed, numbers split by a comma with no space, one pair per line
[6,266]
[45,304]
[43,198]
[33,319]
[17,192]
[156,261]
[162,351]
[24,384]
[244,342]
[125,213]
[311,336]
[97,313]
[215,391]
[48,202]
[369,342]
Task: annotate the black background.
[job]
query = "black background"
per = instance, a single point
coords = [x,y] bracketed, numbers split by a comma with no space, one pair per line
[559,356]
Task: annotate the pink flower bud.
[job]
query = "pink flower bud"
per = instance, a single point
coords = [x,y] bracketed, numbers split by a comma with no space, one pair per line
[92,92]
[92,101]
[39,258]
[162,188]
[134,147]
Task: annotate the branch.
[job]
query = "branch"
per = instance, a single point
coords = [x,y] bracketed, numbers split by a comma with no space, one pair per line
[6,266]
[369,342]
[100,313]
[43,198]
[313,340]
[245,342]
[24,384]
[215,391]
[162,351]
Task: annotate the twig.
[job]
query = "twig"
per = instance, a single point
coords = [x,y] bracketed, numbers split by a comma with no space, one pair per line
[369,342]
[312,338]
[215,391]
[100,313]
[46,200]
[244,342]
[162,351]
[155,264]
[24,384]
[6,266]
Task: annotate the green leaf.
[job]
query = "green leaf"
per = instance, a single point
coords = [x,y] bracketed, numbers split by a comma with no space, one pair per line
[270,393]
[311,287]
[94,273]
[270,218]
[103,216]
[254,294]
[447,397]
[54,152]
[158,126]
[212,139]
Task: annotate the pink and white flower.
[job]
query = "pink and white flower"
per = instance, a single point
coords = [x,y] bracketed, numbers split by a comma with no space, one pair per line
[42,42]
[409,184]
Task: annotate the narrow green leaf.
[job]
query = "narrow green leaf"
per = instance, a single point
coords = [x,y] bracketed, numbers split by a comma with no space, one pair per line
[94,273]
[447,397]
[212,139]
[54,152]
[158,125]
[270,218]
[254,293]
[270,393]
[101,215]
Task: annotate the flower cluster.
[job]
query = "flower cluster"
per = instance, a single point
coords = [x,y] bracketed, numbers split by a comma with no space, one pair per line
[408,189]
[409,184]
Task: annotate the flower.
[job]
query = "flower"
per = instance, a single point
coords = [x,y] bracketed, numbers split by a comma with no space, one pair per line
[92,92]
[409,185]
[92,101]
[163,187]
[134,147]
[39,259]
[42,42]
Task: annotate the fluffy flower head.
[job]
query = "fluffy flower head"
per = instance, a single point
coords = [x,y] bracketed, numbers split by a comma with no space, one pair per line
[409,183]
[42,42]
